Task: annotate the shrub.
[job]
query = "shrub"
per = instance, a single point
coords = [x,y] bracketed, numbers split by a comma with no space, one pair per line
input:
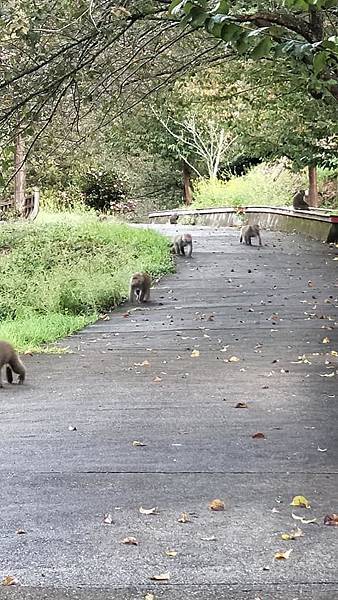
[105,192]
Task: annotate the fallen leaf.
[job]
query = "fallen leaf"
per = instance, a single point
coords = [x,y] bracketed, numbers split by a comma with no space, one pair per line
[145,363]
[125,315]
[327,374]
[283,555]
[20,532]
[131,541]
[241,405]
[331,520]
[212,538]
[137,443]
[258,436]
[300,501]
[149,597]
[148,511]
[322,449]
[310,284]
[9,580]
[293,535]
[157,379]
[72,428]
[184,518]
[170,553]
[210,318]
[108,519]
[195,353]
[234,359]
[334,352]
[216,504]
[303,520]
[162,577]
[326,340]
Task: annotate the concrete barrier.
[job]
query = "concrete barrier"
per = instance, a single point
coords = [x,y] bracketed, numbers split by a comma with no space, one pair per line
[315,223]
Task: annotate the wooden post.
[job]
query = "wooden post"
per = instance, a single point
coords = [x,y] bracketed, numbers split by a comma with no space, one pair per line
[187,190]
[313,188]
[20,177]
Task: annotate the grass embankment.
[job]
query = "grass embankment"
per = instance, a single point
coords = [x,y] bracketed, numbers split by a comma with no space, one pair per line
[57,278]
[263,185]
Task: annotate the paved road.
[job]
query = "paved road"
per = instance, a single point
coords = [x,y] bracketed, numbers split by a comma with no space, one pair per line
[133,378]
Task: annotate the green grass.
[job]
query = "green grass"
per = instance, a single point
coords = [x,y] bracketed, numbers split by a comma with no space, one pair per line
[56,278]
[261,186]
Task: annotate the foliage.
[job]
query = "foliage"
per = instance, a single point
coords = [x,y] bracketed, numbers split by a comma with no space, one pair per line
[304,31]
[104,192]
[52,271]
[263,185]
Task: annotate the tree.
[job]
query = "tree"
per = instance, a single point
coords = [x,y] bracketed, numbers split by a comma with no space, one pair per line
[305,31]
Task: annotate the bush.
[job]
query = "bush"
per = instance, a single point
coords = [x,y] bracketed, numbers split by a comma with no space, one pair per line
[262,185]
[60,277]
[104,192]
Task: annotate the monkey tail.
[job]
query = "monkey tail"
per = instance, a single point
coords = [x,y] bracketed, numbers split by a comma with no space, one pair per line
[241,239]
[9,374]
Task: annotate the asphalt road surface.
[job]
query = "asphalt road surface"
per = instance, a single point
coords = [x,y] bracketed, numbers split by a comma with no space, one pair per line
[235,324]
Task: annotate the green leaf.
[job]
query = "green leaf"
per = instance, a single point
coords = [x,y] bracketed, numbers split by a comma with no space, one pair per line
[197,16]
[257,32]
[222,7]
[230,32]
[262,49]
[319,62]
[176,7]
[242,44]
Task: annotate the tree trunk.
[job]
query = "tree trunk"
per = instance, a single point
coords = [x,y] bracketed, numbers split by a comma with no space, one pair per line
[20,177]
[313,189]
[187,188]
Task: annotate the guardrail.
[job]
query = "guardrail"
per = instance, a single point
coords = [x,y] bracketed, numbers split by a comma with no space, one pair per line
[316,223]
[30,207]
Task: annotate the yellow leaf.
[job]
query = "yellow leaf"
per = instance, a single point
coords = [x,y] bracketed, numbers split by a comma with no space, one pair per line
[195,353]
[157,379]
[129,540]
[145,363]
[162,577]
[149,597]
[283,555]
[335,258]
[137,443]
[148,511]
[334,352]
[9,580]
[216,504]
[326,340]
[300,501]
[171,553]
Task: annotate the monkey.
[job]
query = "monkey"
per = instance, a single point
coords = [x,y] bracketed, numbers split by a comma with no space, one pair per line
[173,219]
[139,288]
[298,201]
[180,242]
[249,231]
[9,357]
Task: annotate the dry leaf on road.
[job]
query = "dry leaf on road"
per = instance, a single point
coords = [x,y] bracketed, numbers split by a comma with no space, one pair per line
[150,597]
[216,504]
[258,436]
[20,532]
[170,553]
[184,518]
[241,405]
[331,520]
[148,511]
[300,501]
[234,359]
[293,535]
[9,580]
[326,340]
[162,577]
[195,353]
[108,519]
[303,520]
[131,541]
[137,443]
[283,555]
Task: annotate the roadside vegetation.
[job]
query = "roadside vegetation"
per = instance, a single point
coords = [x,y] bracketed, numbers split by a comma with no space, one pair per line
[56,278]
[263,185]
